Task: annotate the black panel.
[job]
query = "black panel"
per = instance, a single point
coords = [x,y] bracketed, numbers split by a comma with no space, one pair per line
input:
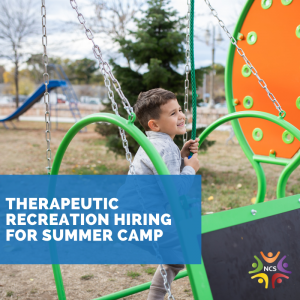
[228,255]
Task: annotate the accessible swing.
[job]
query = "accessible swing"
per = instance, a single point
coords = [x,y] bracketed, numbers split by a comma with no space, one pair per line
[233,238]
[114,119]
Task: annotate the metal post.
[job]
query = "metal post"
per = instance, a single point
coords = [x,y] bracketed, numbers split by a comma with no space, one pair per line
[204,87]
[211,100]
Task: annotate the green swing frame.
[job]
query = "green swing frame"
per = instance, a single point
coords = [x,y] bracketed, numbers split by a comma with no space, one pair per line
[197,273]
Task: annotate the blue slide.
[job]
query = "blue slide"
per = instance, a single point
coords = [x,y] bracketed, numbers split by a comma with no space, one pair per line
[36,96]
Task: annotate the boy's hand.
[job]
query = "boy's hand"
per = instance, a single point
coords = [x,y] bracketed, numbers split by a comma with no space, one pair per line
[193,162]
[189,146]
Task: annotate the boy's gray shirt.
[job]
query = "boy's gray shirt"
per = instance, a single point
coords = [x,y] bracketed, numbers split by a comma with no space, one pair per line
[169,152]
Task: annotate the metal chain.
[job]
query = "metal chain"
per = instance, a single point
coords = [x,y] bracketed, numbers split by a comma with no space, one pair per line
[242,54]
[155,246]
[163,273]
[187,69]
[46,82]
[114,106]
[107,74]
[98,56]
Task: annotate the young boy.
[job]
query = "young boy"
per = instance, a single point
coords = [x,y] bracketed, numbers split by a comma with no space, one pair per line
[161,116]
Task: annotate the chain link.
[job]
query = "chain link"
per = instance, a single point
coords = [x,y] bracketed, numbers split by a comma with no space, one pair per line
[114,106]
[242,54]
[187,69]
[46,82]
[155,246]
[163,273]
[98,56]
[108,75]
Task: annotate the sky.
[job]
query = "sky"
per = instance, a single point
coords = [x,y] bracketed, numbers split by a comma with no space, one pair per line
[69,41]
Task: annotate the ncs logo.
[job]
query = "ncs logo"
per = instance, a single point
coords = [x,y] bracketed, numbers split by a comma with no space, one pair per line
[271,266]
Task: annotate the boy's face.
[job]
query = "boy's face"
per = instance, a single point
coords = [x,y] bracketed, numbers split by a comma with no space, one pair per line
[171,120]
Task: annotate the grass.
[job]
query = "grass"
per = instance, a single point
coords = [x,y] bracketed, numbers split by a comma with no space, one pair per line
[188,291]
[227,176]
[98,142]
[150,271]
[87,277]
[223,168]
[133,274]
[94,169]
[295,189]
[9,293]
[226,189]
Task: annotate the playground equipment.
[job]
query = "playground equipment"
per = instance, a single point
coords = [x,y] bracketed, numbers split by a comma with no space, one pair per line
[262,141]
[35,97]
[231,238]
[68,91]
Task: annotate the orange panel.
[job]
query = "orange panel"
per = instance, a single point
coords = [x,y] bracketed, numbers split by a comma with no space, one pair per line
[276,57]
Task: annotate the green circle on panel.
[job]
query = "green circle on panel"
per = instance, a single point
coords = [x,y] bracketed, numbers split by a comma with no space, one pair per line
[257,134]
[298,31]
[265,4]
[248,102]
[286,139]
[246,72]
[286,2]
[251,38]
[298,102]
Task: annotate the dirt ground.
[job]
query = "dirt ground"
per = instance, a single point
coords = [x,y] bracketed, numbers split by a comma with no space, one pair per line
[227,177]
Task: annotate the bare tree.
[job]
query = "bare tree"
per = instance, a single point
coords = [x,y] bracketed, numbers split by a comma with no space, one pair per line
[17,23]
[2,71]
[114,16]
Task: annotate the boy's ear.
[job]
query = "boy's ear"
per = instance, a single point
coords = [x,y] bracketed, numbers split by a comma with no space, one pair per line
[153,125]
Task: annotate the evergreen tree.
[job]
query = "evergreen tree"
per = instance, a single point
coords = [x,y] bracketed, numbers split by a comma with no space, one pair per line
[157,46]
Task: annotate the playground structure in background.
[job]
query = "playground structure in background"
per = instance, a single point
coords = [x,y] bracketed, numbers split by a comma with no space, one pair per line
[248,230]
[64,84]
[31,100]
[68,92]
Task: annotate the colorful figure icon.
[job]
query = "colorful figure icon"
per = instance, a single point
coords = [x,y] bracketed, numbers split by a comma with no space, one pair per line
[270,259]
[262,277]
[279,280]
[281,267]
[258,265]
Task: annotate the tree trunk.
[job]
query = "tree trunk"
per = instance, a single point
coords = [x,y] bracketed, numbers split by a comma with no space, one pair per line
[17,83]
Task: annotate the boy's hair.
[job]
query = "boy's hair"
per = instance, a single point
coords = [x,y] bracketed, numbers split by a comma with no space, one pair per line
[148,105]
